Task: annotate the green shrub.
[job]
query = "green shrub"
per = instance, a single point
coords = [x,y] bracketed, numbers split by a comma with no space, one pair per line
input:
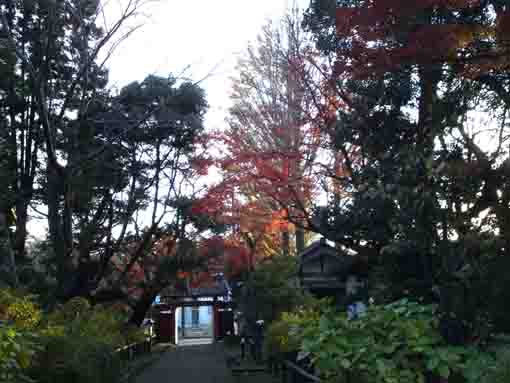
[75,307]
[489,367]
[78,358]
[278,341]
[17,351]
[24,314]
[270,290]
[500,373]
[395,343]
[80,342]
[19,309]
[19,342]
[74,343]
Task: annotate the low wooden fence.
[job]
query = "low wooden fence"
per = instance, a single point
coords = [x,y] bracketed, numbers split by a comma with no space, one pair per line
[123,355]
[135,350]
[290,372]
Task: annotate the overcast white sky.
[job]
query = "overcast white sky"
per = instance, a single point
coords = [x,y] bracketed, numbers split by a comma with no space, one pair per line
[205,34]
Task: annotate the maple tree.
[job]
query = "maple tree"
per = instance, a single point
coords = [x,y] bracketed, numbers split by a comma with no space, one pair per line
[252,230]
[275,159]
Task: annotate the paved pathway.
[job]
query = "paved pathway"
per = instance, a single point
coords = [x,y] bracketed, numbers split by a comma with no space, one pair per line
[189,364]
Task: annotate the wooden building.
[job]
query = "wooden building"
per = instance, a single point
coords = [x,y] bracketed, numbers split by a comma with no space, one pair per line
[325,271]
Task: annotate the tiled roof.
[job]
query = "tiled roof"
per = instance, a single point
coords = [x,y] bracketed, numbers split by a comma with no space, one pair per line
[216,288]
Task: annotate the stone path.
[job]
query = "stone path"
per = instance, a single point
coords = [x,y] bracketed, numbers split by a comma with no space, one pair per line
[189,364]
[194,364]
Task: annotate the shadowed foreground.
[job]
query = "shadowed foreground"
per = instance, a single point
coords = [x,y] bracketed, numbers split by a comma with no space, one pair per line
[189,364]
[195,364]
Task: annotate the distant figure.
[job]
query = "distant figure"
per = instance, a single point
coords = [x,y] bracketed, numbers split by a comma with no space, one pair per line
[244,336]
[259,340]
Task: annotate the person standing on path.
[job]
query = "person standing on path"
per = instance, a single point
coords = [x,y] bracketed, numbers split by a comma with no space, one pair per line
[244,335]
[259,340]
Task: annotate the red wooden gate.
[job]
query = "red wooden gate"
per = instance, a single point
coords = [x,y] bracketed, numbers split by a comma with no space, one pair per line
[224,323]
[165,328]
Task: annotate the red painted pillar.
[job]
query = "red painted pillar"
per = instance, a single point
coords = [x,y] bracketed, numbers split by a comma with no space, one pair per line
[171,321]
[216,320]
[166,324]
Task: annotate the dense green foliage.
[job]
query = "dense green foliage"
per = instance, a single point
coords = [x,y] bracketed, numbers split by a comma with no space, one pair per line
[75,342]
[17,350]
[398,342]
[498,371]
[271,289]
[19,340]
[79,344]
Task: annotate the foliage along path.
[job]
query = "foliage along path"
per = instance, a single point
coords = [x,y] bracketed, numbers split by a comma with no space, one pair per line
[194,364]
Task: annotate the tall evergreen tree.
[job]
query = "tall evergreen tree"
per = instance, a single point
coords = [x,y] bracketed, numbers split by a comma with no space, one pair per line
[93,160]
[49,72]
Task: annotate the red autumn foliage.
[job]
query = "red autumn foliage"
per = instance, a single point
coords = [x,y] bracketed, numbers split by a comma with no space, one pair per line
[383,35]
[275,151]
[201,165]
[136,276]
[276,156]
[232,258]
[224,255]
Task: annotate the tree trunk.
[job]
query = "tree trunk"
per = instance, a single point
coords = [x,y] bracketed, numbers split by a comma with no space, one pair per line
[7,260]
[286,243]
[142,306]
[300,240]
[55,225]
[21,229]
